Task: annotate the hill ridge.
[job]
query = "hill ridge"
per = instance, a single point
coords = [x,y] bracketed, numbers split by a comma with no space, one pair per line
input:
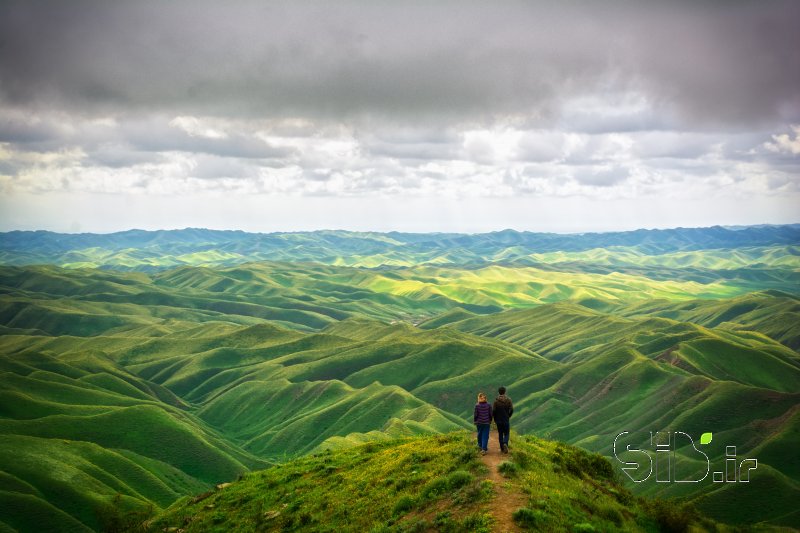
[430,482]
[154,250]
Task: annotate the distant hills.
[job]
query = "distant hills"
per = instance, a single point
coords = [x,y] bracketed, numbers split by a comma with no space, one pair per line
[129,387]
[151,250]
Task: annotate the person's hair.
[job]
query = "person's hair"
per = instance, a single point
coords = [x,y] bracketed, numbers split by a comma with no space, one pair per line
[481,395]
[501,390]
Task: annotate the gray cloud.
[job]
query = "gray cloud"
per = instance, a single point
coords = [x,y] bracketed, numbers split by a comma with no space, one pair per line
[600,177]
[410,143]
[215,167]
[540,146]
[120,156]
[714,63]
[129,140]
[670,144]
[640,101]
[14,128]
[161,137]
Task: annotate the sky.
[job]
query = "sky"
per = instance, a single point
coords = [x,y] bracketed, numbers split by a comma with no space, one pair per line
[413,116]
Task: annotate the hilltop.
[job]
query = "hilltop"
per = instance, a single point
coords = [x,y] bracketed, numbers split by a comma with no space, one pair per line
[430,483]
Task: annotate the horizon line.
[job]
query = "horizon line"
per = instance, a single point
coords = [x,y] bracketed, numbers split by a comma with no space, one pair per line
[730,227]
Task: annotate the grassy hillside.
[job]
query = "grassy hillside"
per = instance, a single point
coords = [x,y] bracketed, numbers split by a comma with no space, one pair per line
[78,431]
[310,297]
[576,374]
[124,390]
[427,483]
[775,314]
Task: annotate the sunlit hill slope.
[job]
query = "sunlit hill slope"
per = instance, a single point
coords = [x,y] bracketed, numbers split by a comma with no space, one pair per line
[124,390]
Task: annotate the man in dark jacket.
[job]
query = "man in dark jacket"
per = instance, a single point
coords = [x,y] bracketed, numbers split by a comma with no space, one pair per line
[502,409]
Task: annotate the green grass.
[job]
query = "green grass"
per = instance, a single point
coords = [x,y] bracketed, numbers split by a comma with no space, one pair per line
[388,484]
[140,388]
[575,373]
[276,419]
[77,478]
[416,484]
[26,512]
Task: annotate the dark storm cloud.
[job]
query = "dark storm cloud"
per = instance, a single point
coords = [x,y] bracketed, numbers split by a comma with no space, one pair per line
[712,62]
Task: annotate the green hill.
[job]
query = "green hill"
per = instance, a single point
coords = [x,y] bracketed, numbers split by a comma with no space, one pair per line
[280,418]
[236,392]
[79,430]
[430,483]
[155,250]
[773,313]
[122,390]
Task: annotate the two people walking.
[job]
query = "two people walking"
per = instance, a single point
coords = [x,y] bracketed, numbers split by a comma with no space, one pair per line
[500,411]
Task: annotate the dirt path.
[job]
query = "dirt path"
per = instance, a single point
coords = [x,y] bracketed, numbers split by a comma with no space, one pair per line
[507,499]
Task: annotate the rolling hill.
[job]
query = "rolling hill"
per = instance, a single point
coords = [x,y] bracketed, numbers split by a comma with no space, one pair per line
[123,390]
[166,249]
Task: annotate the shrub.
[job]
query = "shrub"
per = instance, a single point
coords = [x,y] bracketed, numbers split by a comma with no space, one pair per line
[475,492]
[522,458]
[477,523]
[444,523]
[583,527]
[466,457]
[459,478]
[622,495]
[672,517]
[597,466]
[369,447]
[420,457]
[417,526]
[403,504]
[529,518]
[611,514]
[328,470]
[578,462]
[508,469]
[435,488]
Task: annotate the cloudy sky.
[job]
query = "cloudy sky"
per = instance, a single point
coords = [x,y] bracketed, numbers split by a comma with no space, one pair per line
[418,116]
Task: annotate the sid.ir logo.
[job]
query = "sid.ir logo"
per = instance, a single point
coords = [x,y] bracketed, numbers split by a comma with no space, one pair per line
[691,466]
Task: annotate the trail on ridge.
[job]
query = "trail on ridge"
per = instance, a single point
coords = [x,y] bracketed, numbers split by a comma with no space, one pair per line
[507,498]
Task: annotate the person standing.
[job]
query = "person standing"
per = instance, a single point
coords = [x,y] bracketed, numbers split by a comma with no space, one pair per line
[502,409]
[483,421]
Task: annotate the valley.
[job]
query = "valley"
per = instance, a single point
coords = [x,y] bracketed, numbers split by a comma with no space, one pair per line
[139,368]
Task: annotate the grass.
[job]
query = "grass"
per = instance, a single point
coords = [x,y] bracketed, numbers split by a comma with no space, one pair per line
[389,485]
[146,386]
[424,483]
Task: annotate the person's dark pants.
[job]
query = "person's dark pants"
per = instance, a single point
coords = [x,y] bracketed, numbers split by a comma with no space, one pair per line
[483,436]
[502,433]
